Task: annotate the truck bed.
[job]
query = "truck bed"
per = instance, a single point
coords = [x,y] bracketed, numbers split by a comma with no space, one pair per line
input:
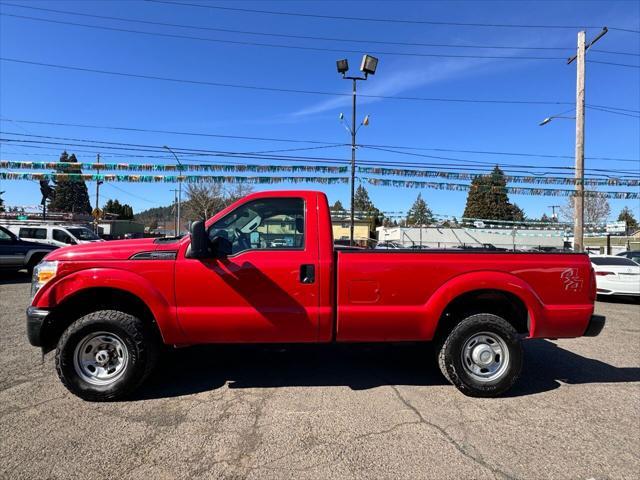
[397,295]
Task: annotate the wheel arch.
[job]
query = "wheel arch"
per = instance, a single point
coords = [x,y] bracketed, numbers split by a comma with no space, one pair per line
[85,301]
[87,290]
[498,293]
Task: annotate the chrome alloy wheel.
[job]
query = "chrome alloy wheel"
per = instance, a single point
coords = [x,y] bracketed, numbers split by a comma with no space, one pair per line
[100,358]
[485,356]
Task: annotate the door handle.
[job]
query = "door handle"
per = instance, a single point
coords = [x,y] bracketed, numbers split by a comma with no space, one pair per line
[307,273]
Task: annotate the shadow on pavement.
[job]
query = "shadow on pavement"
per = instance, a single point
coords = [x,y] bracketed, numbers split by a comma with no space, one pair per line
[203,368]
[11,278]
[618,299]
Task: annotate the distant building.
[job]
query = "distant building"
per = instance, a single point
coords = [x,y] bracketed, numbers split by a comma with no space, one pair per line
[341,230]
[439,237]
[119,229]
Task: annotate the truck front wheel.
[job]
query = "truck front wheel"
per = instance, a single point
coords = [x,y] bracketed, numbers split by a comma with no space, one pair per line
[482,356]
[105,355]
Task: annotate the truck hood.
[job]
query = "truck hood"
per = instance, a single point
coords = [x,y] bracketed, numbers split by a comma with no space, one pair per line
[110,250]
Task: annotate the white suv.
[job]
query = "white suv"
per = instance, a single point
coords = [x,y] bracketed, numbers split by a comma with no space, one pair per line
[58,235]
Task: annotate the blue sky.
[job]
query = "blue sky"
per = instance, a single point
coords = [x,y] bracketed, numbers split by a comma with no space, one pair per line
[31,92]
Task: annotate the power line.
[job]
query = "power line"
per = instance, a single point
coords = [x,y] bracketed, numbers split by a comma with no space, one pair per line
[122,190]
[632,54]
[217,153]
[291,140]
[613,112]
[383,20]
[272,45]
[495,163]
[305,37]
[614,64]
[282,90]
[302,37]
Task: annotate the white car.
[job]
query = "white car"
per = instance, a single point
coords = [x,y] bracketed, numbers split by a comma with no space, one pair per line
[616,275]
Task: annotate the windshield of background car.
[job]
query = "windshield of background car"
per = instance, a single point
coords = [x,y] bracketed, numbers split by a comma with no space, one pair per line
[83,234]
[5,235]
[620,261]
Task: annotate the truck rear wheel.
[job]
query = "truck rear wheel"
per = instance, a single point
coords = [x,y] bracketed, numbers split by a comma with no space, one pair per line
[482,356]
[105,355]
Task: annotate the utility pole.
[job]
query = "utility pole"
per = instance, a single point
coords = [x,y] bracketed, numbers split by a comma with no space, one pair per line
[179,185]
[553,210]
[578,204]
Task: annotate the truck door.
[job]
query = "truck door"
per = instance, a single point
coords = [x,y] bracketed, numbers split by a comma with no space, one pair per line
[265,290]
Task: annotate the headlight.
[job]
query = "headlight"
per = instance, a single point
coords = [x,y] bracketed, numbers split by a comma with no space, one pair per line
[42,273]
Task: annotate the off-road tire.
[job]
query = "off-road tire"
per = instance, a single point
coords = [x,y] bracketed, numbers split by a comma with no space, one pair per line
[450,355]
[142,349]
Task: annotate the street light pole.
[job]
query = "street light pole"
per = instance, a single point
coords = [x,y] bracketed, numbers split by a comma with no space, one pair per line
[368,67]
[179,188]
[353,161]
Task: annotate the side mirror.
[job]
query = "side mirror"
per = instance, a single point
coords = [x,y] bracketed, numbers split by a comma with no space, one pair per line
[199,240]
[221,247]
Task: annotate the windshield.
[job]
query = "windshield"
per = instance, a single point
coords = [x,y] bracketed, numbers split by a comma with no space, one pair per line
[625,262]
[83,234]
[5,234]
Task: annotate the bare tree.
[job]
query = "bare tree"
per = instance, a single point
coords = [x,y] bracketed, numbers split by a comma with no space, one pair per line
[596,208]
[204,200]
[237,191]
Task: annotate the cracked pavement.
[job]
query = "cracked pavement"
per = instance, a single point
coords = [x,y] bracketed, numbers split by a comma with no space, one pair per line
[322,412]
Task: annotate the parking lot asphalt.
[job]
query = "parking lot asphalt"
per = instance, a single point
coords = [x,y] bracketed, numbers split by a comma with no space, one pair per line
[327,412]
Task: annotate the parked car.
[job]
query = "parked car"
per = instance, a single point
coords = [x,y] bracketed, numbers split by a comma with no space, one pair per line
[58,235]
[388,246]
[17,254]
[107,308]
[631,255]
[616,275]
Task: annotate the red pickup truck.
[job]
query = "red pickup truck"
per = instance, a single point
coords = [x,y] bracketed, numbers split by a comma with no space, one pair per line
[264,270]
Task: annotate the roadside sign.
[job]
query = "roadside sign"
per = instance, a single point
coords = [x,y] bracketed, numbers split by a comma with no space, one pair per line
[97,213]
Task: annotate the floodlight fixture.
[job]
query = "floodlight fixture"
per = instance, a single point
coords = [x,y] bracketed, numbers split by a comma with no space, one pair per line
[343,66]
[369,65]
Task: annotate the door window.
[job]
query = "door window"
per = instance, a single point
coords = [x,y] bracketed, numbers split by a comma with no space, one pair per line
[62,236]
[265,224]
[37,233]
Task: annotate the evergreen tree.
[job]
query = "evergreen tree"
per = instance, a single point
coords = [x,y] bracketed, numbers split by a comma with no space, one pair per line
[626,215]
[419,213]
[1,202]
[517,214]
[545,218]
[71,195]
[488,199]
[365,208]
[122,211]
[337,207]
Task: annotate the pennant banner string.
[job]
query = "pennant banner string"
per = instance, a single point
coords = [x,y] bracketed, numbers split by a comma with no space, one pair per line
[75,167]
[509,178]
[553,192]
[93,177]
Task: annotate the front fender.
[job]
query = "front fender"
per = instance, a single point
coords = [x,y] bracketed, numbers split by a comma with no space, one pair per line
[163,310]
[481,280]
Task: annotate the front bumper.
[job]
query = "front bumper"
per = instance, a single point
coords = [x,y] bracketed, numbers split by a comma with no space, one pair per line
[596,324]
[36,319]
